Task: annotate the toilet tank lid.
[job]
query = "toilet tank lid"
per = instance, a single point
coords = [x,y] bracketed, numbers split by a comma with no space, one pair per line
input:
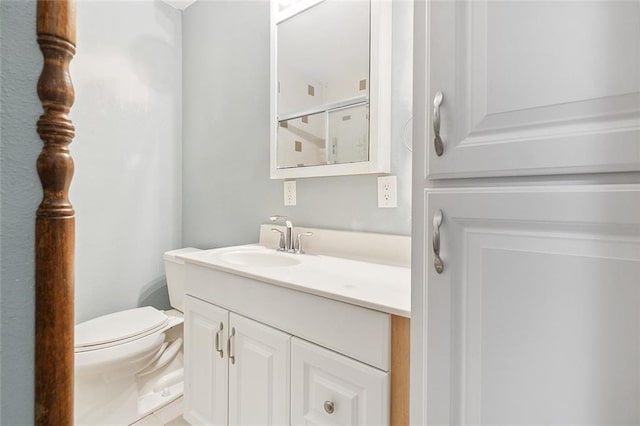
[119,326]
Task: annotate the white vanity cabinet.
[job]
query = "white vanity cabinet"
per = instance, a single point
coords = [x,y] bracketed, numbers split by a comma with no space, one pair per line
[331,389]
[526,282]
[535,315]
[533,88]
[258,373]
[237,369]
[277,356]
[206,366]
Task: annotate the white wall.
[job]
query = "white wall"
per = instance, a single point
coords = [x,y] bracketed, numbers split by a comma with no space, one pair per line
[127,185]
[227,190]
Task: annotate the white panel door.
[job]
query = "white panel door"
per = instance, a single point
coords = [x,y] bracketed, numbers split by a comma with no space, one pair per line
[259,362]
[533,87]
[205,363]
[536,316]
[330,389]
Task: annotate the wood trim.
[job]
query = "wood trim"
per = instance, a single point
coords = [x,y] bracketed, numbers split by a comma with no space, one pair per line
[400,350]
[55,222]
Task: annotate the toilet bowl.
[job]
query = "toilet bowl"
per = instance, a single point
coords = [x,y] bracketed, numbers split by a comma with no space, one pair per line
[129,364]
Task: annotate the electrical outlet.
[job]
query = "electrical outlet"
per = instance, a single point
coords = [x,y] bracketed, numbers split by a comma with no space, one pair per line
[387,192]
[289,192]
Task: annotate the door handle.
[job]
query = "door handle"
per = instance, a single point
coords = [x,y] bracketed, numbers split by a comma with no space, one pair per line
[437,140]
[218,348]
[229,347]
[437,260]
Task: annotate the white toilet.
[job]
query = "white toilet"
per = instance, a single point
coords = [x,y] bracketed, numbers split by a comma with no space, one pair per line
[130,363]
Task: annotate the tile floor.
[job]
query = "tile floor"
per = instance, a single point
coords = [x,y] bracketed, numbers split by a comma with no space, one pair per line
[171,415]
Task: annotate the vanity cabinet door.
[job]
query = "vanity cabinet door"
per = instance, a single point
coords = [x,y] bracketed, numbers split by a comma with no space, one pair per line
[534,318]
[532,88]
[331,389]
[205,363]
[259,363]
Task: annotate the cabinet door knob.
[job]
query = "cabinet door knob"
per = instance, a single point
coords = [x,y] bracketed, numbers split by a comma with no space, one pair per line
[218,348]
[329,407]
[437,260]
[437,141]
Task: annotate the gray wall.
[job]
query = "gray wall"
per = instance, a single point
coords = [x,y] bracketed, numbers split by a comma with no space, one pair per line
[128,180]
[226,186]
[20,195]
[127,186]
[227,191]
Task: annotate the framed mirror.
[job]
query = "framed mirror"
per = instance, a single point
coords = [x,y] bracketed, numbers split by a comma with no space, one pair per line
[330,87]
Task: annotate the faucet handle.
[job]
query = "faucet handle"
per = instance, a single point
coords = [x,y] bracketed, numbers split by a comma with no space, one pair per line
[298,248]
[281,243]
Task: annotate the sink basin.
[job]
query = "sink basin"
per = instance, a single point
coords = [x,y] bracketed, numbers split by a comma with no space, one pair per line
[258,258]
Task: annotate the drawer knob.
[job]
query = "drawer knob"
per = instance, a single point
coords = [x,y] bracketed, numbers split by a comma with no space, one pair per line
[328,407]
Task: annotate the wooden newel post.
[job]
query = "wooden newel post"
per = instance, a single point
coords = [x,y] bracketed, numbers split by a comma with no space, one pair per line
[55,223]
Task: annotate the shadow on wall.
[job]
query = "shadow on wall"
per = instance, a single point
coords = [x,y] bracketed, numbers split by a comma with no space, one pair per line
[155,294]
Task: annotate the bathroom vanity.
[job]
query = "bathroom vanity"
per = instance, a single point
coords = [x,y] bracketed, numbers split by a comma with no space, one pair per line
[278,338]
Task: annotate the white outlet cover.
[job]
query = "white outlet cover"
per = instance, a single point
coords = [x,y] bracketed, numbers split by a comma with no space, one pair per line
[289,192]
[387,191]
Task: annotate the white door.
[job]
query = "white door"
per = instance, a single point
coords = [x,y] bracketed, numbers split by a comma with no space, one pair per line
[535,318]
[259,363]
[205,363]
[330,389]
[532,87]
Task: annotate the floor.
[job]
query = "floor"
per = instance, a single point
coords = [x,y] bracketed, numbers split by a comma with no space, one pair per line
[171,415]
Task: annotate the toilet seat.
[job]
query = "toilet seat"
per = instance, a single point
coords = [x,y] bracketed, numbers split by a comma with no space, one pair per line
[119,328]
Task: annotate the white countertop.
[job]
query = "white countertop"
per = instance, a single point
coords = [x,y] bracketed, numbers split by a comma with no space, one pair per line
[371,285]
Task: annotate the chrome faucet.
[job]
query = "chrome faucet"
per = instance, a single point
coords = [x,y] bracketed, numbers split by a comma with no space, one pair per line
[286,238]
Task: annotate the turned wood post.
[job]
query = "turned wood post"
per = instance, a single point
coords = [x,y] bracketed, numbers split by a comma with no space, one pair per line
[55,223]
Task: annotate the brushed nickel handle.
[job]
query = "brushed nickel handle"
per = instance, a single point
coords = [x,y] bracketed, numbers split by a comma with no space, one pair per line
[437,260]
[329,407]
[437,140]
[229,347]
[218,348]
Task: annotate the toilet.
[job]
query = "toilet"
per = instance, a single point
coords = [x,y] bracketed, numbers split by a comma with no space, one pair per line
[129,364]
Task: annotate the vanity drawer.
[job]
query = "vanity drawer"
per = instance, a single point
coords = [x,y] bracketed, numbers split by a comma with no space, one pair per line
[357,332]
[331,389]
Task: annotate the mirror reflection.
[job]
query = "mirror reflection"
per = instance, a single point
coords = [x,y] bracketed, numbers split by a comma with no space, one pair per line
[302,141]
[323,85]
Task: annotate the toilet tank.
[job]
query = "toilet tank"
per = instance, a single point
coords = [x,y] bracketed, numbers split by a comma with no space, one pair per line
[174,268]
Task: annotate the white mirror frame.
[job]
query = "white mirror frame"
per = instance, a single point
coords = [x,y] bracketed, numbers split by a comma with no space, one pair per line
[379,96]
